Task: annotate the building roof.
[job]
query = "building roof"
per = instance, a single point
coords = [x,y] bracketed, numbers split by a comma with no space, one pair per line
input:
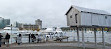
[81,9]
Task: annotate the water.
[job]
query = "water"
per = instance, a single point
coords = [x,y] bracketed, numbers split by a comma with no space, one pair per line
[89,37]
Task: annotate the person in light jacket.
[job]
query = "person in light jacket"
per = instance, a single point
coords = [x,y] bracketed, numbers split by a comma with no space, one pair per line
[19,39]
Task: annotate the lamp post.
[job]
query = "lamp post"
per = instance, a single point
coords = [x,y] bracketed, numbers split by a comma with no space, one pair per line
[11,33]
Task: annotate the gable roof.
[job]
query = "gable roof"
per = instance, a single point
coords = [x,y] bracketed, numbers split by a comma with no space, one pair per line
[81,9]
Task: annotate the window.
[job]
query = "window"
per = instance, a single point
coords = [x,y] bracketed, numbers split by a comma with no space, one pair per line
[71,16]
[76,18]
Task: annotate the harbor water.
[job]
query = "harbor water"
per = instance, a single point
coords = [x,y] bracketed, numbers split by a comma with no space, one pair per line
[89,37]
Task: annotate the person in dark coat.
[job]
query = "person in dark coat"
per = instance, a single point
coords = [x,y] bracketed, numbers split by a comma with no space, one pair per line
[33,37]
[7,37]
[0,39]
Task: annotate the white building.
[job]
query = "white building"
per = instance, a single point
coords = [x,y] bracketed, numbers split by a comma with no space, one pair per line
[78,16]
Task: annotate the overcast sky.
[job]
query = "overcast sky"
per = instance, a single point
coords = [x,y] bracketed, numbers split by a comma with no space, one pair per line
[51,12]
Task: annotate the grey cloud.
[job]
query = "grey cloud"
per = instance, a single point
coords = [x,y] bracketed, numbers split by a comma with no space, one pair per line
[52,12]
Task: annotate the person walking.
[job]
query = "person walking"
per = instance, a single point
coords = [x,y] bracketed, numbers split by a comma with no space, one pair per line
[7,37]
[19,39]
[0,39]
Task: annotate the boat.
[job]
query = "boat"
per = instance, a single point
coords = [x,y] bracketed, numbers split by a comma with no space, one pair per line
[13,31]
[54,33]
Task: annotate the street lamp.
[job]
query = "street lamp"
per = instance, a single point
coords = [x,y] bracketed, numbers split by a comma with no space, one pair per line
[11,33]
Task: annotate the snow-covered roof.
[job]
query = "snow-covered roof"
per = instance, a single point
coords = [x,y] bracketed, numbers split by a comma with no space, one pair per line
[89,10]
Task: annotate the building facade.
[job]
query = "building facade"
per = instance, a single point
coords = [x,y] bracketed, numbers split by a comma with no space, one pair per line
[7,21]
[39,23]
[4,22]
[30,27]
[17,24]
[78,16]
[36,26]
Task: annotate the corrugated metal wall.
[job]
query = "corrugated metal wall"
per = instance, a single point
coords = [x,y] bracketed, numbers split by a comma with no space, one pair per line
[102,21]
[86,19]
[108,21]
[89,19]
[95,20]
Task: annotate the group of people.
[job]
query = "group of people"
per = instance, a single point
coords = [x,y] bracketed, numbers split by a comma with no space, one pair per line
[7,37]
[33,38]
[18,39]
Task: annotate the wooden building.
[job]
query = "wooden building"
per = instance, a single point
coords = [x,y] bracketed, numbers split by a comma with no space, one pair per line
[79,16]
[83,18]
